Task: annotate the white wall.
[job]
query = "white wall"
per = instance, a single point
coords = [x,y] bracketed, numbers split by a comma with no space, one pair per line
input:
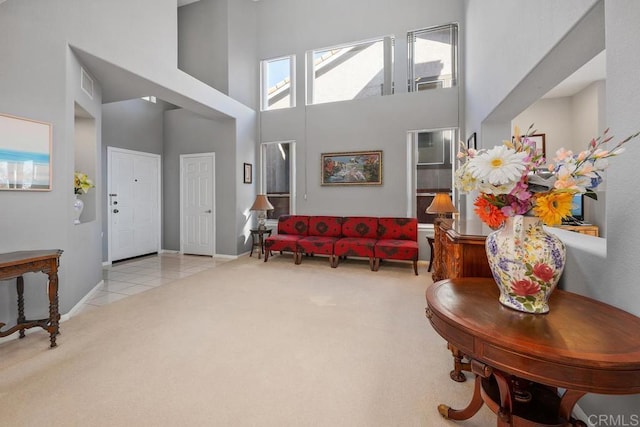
[365,124]
[603,269]
[124,42]
[571,122]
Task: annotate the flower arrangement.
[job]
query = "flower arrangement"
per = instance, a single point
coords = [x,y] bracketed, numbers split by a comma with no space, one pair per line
[516,179]
[81,183]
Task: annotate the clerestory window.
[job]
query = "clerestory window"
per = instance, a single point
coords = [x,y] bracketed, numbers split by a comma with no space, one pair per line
[350,71]
[278,83]
[433,56]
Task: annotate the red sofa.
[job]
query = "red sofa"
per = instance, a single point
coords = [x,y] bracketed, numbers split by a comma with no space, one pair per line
[340,237]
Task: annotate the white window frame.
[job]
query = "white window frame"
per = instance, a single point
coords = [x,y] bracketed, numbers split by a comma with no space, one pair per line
[412,170]
[388,48]
[264,82]
[292,175]
[411,36]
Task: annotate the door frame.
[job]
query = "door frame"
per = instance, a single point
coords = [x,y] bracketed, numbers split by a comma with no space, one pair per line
[158,157]
[183,157]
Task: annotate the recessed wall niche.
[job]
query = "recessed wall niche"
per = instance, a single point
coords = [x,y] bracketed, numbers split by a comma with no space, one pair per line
[85,154]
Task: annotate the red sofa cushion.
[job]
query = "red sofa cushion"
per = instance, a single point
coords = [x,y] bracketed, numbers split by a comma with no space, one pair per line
[327,226]
[317,245]
[398,228]
[396,249]
[293,224]
[360,226]
[355,246]
[282,242]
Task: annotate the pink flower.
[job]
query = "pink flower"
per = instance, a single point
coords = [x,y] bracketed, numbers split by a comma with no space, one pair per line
[543,271]
[525,287]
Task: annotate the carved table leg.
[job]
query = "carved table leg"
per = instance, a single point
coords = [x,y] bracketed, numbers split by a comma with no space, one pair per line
[568,401]
[458,365]
[54,315]
[20,289]
[471,409]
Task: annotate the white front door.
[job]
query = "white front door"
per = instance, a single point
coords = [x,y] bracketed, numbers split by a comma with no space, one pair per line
[197,202]
[134,203]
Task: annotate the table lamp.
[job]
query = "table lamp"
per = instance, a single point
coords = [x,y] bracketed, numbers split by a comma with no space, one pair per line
[261,205]
[441,205]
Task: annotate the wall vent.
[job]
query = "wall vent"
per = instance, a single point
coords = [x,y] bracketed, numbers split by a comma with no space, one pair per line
[86,82]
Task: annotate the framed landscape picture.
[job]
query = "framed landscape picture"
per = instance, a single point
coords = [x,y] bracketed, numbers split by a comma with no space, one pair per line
[352,168]
[25,154]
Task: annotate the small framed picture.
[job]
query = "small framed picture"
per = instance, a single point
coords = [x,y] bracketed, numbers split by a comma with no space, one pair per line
[471,142]
[248,173]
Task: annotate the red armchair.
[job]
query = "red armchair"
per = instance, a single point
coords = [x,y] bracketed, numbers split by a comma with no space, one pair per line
[359,239]
[291,228]
[324,231]
[397,239]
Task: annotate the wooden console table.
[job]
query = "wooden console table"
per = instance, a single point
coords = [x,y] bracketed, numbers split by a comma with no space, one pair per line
[581,345]
[12,266]
[459,249]
[591,230]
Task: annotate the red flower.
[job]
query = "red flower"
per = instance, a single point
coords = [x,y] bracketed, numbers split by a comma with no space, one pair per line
[543,271]
[525,287]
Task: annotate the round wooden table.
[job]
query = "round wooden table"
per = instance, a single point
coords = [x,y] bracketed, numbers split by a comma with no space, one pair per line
[520,359]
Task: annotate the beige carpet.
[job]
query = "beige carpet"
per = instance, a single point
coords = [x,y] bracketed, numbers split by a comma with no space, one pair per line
[246,343]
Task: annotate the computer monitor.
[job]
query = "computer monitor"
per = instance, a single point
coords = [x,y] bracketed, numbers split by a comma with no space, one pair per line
[577,207]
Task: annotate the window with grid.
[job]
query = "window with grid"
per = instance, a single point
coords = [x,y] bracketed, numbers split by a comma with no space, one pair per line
[278,172]
[432,154]
[433,57]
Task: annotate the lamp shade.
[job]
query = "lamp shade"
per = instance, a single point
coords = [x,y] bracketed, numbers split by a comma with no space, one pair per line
[441,204]
[261,203]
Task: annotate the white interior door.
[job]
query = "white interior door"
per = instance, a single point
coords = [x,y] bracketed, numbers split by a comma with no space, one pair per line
[197,204]
[134,203]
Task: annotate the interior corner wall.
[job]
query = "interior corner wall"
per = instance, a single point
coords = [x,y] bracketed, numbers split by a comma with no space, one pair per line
[610,277]
[203,49]
[189,133]
[242,58]
[135,125]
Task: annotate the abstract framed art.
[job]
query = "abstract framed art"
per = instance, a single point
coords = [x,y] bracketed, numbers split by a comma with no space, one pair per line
[352,168]
[25,154]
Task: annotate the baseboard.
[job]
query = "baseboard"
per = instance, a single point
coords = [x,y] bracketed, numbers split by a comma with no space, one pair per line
[74,310]
[231,257]
[106,264]
[63,317]
[168,251]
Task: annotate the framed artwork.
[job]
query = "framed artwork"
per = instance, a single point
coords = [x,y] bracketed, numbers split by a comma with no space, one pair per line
[471,142]
[248,173]
[539,138]
[25,154]
[352,168]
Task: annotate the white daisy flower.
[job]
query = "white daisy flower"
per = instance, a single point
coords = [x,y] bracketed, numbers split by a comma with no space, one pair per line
[499,165]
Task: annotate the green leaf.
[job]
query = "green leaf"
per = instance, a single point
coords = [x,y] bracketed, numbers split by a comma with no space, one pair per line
[591,194]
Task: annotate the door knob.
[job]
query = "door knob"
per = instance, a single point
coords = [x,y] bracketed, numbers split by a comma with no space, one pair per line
[116,211]
[207,211]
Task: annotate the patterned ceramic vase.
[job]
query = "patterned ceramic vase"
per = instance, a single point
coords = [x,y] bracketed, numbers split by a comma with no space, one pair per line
[526,263]
[78,206]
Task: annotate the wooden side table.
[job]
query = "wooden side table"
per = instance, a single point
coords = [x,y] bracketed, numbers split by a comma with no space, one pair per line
[520,359]
[257,239]
[12,266]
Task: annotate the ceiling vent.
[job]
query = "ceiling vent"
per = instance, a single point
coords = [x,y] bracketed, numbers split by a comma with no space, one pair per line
[86,83]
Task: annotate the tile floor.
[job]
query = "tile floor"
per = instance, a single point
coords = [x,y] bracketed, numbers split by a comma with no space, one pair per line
[130,277]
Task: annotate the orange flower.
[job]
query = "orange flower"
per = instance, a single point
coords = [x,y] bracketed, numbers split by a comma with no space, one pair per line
[488,213]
